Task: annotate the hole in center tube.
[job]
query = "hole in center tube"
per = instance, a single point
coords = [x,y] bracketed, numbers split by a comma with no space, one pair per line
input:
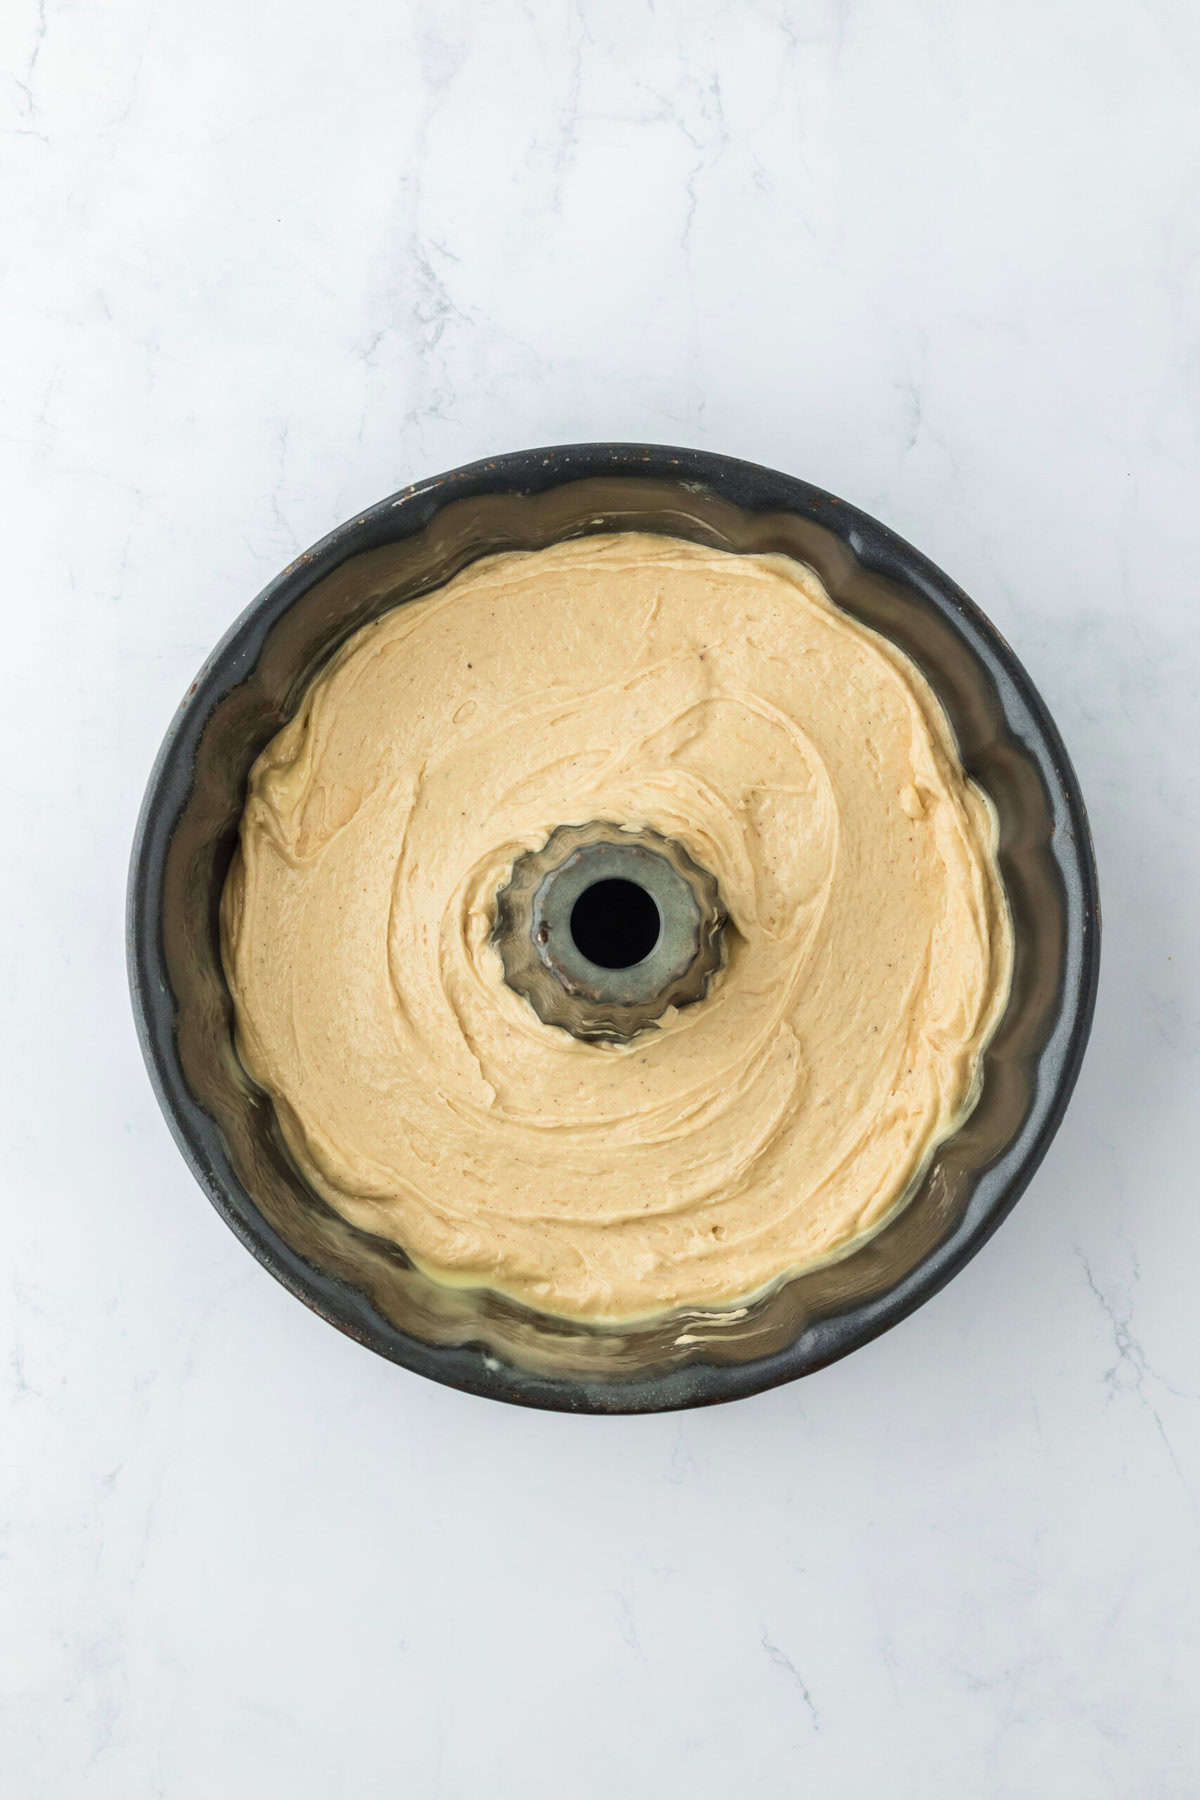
[615,924]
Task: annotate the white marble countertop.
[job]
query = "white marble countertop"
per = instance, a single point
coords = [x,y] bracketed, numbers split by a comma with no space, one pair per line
[265,263]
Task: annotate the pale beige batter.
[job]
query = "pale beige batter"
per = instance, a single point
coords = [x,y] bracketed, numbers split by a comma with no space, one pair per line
[721,700]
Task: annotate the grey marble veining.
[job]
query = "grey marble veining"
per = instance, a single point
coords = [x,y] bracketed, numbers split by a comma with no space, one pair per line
[264,265]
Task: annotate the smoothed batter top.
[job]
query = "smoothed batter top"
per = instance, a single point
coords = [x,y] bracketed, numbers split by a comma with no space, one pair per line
[720,700]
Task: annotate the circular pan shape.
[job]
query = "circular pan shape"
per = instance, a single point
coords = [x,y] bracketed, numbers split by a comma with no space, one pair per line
[414,542]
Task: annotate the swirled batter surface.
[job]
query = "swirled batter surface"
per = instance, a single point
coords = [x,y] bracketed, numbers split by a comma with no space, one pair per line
[721,700]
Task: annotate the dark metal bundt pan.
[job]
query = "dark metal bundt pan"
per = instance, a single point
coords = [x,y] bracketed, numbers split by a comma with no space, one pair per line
[224,1126]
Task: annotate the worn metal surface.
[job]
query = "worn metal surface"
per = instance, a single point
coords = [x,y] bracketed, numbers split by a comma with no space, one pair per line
[542,955]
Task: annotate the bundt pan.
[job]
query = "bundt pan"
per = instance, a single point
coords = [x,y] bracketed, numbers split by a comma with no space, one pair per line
[225,1127]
